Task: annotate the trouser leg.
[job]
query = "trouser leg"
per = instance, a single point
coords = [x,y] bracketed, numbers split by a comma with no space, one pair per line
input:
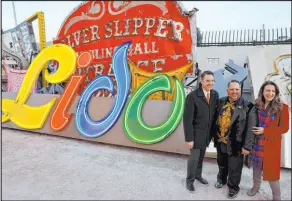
[192,165]
[235,165]
[222,161]
[200,164]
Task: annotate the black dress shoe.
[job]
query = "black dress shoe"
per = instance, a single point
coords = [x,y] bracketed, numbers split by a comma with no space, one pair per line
[202,181]
[219,185]
[190,187]
[232,194]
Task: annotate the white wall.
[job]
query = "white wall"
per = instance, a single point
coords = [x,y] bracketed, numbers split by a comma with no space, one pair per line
[237,54]
[262,63]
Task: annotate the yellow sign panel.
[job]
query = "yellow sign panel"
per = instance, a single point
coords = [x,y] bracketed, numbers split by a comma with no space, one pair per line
[139,76]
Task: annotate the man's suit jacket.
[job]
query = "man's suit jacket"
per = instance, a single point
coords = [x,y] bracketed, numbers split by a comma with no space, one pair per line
[240,133]
[199,117]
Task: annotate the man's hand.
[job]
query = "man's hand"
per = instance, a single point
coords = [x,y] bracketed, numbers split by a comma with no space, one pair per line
[244,151]
[190,144]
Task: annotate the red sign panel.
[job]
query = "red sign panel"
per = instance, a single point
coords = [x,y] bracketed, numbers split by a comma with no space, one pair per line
[160,34]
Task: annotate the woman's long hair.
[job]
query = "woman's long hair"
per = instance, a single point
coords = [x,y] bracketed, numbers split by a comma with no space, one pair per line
[276,104]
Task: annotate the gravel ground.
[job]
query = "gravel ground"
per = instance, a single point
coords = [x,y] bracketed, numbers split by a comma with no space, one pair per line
[37,166]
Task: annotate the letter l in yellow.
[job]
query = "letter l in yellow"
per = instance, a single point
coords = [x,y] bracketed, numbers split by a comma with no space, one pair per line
[33,117]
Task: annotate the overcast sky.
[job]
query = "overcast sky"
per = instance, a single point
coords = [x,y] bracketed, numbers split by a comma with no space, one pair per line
[218,15]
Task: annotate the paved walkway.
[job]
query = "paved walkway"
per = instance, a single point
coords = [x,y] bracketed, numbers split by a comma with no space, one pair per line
[48,167]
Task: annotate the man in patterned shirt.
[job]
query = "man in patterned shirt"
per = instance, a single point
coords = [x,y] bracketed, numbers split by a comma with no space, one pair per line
[233,136]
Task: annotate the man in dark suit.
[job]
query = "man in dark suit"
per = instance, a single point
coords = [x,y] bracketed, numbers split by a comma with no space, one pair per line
[200,107]
[233,137]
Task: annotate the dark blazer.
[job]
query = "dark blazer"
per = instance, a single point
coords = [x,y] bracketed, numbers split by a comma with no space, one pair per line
[240,131]
[198,117]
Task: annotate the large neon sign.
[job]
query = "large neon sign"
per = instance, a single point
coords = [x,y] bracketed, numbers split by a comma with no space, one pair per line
[93,55]
[33,117]
[159,32]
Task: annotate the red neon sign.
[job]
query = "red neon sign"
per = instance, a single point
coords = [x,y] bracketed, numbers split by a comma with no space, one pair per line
[160,34]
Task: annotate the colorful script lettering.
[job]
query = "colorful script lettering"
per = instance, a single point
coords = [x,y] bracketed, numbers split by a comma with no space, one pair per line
[33,117]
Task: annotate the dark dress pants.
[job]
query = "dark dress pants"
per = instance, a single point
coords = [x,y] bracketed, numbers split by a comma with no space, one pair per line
[230,169]
[195,164]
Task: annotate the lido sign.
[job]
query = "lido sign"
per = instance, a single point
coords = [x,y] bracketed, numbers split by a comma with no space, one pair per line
[140,50]
[34,117]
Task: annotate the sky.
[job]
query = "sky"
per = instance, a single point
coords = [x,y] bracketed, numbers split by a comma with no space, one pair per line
[216,15]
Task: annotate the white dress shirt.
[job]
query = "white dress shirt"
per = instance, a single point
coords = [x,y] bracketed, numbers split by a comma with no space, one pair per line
[206,93]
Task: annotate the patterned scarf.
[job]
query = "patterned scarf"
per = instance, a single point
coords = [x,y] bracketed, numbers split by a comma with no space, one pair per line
[224,121]
[257,154]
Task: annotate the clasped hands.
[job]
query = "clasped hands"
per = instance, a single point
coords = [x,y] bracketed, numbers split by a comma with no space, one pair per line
[258,130]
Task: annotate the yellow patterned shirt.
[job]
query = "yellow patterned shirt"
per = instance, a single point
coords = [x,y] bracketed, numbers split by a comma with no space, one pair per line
[224,121]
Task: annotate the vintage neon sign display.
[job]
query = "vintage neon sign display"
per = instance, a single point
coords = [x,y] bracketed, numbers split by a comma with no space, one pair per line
[33,117]
[160,34]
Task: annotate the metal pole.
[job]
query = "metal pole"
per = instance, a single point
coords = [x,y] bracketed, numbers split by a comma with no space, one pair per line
[14,13]
[264,33]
